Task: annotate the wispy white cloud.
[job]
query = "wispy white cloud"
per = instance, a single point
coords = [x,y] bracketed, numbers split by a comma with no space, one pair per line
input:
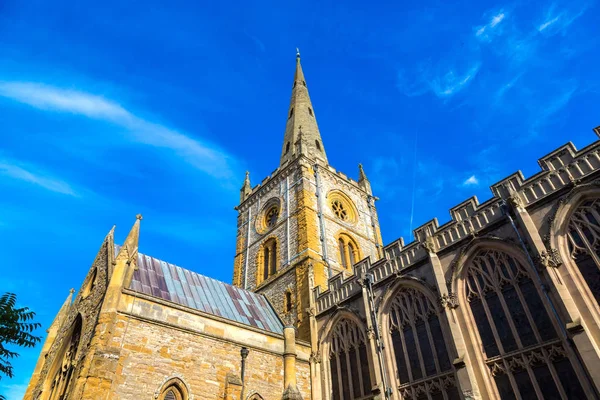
[202,155]
[471,181]
[452,82]
[485,32]
[557,21]
[35,176]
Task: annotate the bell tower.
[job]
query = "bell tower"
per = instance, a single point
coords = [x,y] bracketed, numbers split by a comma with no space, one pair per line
[306,218]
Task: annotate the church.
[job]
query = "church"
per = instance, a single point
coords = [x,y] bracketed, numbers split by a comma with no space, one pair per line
[501,302]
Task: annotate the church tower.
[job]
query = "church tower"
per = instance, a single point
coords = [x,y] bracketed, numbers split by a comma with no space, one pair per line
[306,218]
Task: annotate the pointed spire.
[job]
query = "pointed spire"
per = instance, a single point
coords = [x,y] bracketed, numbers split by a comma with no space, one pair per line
[363,182]
[130,246]
[301,114]
[63,312]
[246,188]
[361,173]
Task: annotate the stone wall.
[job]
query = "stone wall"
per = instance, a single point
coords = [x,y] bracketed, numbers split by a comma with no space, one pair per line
[160,341]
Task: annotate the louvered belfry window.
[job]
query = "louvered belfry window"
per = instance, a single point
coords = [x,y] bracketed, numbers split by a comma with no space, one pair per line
[521,348]
[419,349]
[584,243]
[348,362]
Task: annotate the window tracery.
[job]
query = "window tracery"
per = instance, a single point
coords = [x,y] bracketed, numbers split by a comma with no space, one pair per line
[271,216]
[583,240]
[348,362]
[520,345]
[348,251]
[342,207]
[267,260]
[418,347]
[64,374]
[339,210]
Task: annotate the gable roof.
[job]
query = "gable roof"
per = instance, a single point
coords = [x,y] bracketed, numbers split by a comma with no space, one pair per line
[170,282]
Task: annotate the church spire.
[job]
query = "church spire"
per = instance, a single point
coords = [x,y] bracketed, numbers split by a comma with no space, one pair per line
[301,117]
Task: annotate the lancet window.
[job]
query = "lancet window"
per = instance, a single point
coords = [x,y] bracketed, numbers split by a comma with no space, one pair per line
[583,234]
[348,251]
[423,364]
[520,345]
[173,389]
[348,362]
[267,259]
[64,374]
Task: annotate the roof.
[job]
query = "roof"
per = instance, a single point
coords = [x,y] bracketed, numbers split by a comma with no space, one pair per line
[169,282]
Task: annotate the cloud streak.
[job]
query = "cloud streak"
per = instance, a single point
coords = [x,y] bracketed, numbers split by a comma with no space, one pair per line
[201,155]
[485,32]
[471,181]
[452,83]
[32,175]
[557,21]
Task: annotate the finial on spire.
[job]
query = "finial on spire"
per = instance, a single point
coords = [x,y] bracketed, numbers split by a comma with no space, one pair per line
[297,52]
[246,188]
[139,216]
[72,291]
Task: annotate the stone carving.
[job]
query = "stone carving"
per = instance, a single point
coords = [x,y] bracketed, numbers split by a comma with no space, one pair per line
[550,258]
[449,300]
[315,357]
[429,244]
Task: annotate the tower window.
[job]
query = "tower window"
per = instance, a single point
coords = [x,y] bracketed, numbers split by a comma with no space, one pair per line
[339,210]
[304,83]
[271,216]
[287,303]
[291,112]
[318,145]
[348,251]
[267,261]
[310,112]
[287,148]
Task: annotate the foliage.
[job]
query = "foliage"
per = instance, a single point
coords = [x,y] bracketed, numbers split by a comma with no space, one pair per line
[16,327]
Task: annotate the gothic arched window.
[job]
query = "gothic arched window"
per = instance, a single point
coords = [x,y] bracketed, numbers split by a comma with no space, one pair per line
[348,362]
[583,238]
[267,260]
[348,251]
[64,370]
[173,389]
[520,345]
[422,360]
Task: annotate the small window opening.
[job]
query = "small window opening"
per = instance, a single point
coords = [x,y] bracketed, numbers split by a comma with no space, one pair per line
[310,112]
[288,302]
[304,83]
[287,148]
[318,145]
[294,84]
[291,113]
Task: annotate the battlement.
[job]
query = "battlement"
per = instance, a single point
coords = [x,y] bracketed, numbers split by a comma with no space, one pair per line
[561,168]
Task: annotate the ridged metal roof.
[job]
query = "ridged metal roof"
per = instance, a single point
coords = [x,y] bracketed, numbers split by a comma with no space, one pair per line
[172,283]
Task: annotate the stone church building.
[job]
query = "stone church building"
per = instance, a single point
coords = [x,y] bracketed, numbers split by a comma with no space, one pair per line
[501,302]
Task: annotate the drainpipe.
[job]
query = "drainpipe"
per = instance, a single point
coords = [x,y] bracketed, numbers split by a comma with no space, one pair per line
[247,248]
[244,353]
[321,221]
[387,391]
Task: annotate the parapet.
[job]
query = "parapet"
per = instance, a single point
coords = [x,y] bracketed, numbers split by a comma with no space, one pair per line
[560,168]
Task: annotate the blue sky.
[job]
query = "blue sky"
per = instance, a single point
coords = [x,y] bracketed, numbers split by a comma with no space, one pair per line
[126,107]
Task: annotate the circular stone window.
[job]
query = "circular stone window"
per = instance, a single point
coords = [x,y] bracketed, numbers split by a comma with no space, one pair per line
[271,216]
[268,217]
[339,210]
[342,207]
